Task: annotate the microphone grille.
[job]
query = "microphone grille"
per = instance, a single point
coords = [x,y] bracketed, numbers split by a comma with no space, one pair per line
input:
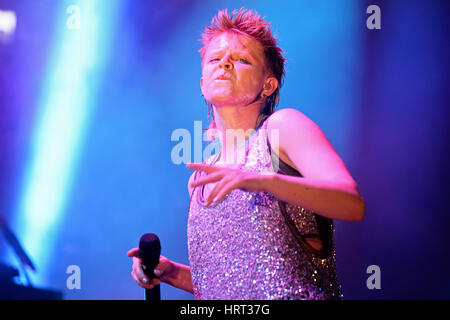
[149,250]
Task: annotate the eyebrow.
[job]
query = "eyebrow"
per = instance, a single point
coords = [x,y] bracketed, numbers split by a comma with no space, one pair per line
[246,53]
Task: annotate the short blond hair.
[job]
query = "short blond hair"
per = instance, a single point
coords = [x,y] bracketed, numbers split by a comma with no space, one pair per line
[249,23]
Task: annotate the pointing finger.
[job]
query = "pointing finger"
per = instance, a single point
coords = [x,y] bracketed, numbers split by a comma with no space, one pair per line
[222,193]
[202,167]
[208,179]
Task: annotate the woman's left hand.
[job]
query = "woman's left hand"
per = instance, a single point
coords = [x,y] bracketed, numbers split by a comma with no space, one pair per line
[227,180]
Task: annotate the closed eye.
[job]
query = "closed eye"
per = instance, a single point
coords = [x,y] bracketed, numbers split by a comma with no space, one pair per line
[240,60]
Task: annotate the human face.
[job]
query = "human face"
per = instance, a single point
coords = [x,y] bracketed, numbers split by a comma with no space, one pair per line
[233,70]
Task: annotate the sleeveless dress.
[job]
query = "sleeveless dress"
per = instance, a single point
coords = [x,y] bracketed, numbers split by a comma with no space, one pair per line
[252,246]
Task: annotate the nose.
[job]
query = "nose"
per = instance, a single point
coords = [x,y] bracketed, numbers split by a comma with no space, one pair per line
[225,63]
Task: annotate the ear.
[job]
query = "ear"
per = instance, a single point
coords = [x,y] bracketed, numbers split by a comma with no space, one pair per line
[270,85]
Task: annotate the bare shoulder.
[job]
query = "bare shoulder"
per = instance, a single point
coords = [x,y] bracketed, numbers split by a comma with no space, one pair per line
[289,117]
[306,146]
[293,126]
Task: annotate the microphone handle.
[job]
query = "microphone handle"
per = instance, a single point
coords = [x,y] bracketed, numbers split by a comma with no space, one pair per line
[153,294]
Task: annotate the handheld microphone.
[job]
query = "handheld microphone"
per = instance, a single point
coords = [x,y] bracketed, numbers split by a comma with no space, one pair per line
[149,252]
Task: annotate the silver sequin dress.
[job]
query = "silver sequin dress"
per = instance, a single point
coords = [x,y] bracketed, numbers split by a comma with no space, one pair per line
[243,247]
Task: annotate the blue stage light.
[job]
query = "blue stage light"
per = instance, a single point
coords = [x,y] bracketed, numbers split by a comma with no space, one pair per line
[68,99]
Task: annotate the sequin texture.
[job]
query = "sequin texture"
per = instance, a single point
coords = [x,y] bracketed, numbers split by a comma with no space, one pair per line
[242,248]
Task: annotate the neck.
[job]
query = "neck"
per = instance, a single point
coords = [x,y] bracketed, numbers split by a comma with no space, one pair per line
[234,125]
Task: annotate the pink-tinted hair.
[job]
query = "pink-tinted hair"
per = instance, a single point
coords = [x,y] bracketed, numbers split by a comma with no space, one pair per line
[248,22]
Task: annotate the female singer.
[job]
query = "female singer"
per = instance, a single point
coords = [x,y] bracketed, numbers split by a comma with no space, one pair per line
[261,213]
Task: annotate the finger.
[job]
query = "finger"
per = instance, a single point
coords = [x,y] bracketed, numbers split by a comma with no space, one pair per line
[139,271]
[221,194]
[139,280]
[137,267]
[137,263]
[155,282]
[202,167]
[150,286]
[162,267]
[216,189]
[133,275]
[159,270]
[144,282]
[208,179]
[133,252]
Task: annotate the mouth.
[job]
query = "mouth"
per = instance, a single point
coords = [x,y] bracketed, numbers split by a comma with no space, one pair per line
[223,77]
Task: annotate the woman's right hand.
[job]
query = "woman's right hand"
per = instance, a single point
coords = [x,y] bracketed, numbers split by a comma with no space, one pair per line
[163,271]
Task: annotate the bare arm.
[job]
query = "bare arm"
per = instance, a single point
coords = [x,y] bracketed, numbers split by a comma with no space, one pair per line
[181,277]
[331,199]
[326,187]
